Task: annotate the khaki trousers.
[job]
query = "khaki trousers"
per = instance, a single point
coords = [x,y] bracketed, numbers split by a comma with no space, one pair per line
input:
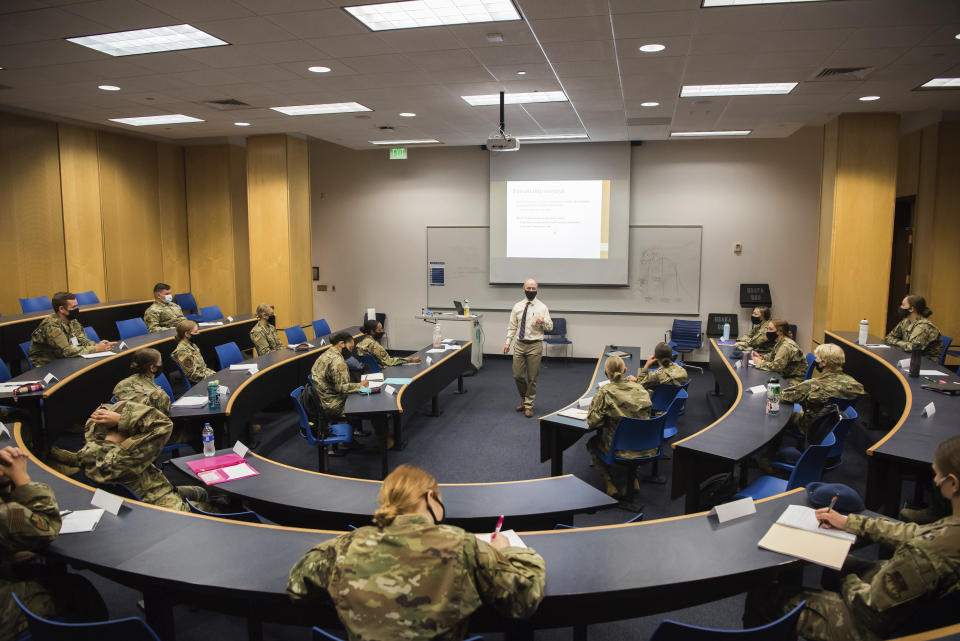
[526,368]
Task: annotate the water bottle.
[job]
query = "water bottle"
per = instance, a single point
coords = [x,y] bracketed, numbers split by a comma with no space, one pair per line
[726,331]
[864,331]
[206,435]
[915,356]
[773,396]
[437,337]
[213,395]
[466,307]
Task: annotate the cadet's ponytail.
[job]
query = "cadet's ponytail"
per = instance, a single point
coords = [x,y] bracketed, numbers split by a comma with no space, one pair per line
[919,304]
[402,492]
[614,368]
[144,359]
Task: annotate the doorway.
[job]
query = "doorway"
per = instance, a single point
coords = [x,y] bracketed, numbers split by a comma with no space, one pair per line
[901,258]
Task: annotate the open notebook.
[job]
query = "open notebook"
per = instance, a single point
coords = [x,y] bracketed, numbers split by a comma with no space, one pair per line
[798,533]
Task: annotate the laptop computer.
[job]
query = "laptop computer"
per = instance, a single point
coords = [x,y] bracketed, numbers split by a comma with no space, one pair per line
[459,307]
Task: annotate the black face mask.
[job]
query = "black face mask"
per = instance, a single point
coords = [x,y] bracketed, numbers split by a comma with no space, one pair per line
[434,516]
[755,320]
[818,366]
[903,313]
[346,353]
[156,372]
[272,319]
[771,336]
[73,314]
[530,295]
[378,335]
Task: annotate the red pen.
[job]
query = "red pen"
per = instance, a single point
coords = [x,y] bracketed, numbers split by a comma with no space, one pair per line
[496,530]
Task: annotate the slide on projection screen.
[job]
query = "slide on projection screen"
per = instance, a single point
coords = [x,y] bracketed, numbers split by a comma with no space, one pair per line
[560,214]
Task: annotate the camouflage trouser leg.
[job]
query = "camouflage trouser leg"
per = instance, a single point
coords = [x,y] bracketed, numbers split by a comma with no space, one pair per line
[198,496]
[33,595]
[825,617]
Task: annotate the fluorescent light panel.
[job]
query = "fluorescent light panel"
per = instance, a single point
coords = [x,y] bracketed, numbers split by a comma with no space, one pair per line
[516,98]
[749,89]
[942,83]
[143,121]
[693,134]
[330,108]
[432,13]
[554,137]
[131,43]
[737,3]
[424,141]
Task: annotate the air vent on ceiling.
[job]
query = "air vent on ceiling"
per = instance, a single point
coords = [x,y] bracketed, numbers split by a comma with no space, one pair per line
[228,104]
[842,73]
[385,127]
[648,122]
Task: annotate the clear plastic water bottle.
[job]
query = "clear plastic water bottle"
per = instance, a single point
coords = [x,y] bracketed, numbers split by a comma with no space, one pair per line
[206,435]
[437,336]
[213,395]
[726,331]
[773,396]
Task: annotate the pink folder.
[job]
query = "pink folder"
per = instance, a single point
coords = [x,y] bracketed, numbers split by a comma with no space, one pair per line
[220,469]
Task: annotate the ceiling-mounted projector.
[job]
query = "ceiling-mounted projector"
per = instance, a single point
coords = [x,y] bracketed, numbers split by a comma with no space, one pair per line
[502,142]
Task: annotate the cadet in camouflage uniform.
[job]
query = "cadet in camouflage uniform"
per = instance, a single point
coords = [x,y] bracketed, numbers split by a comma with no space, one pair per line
[369,344]
[787,359]
[187,355]
[756,339]
[816,392]
[915,328]
[60,334]
[669,372]
[140,386]
[409,577]
[331,378]
[29,520]
[876,597]
[264,332]
[163,313]
[620,397]
[123,441]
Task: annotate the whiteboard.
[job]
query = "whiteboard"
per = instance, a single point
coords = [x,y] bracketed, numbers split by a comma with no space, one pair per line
[664,274]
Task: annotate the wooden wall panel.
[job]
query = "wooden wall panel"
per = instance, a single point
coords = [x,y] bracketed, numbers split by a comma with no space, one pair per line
[824,245]
[241,231]
[301,280]
[924,212]
[30,211]
[82,224]
[174,245]
[943,296]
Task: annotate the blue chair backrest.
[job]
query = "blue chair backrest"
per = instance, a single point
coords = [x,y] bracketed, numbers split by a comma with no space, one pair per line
[211,313]
[4,372]
[842,431]
[229,354]
[638,433]
[87,298]
[305,431]
[662,396]
[793,331]
[809,467]
[186,302]
[183,375]
[811,362]
[686,334]
[132,327]
[321,327]
[247,516]
[36,304]
[91,334]
[164,384]
[25,348]
[370,362]
[675,407]
[783,629]
[946,340]
[559,327]
[128,628]
[295,335]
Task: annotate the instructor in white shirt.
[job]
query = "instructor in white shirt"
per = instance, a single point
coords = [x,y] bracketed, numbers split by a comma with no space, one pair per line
[529,319]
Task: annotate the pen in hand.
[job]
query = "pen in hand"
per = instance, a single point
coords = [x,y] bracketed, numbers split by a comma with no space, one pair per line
[496,530]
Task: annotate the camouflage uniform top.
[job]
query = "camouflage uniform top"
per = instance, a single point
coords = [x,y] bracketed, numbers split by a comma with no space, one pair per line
[925,565]
[161,316]
[787,359]
[415,581]
[908,332]
[331,379]
[265,339]
[369,345]
[814,393]
[131,461]
[142,389]
[755,340]
[672,374]
[188,357]
[29,519]
[53,339]
[613,400]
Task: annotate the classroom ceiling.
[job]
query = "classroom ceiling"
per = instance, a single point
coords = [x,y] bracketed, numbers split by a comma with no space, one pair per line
[587,48]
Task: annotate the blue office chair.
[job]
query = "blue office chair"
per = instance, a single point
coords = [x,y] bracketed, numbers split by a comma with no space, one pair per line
[186,381]
[321,328]
[371,362]
[321,635]
[188,305]
[788,456]
[36,304]
[793,331]
[662,398]
[558,336]
[783,629]
[4,372]
[132,327]
[229,354]
[685,336]
[295,335]
[809,468]
[25,348]
[91,334]
[636,434]
[170,448]
[339,433]
[212,313]
[125,629]
[87,298]
[946,340]
[164,384]
[247,516]
[674,412]
[811,363]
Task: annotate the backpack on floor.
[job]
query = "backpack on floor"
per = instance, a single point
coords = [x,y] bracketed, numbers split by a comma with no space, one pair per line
[717,489]
[310,401]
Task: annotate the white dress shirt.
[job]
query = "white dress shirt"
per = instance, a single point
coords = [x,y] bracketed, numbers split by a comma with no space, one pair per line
[531,331]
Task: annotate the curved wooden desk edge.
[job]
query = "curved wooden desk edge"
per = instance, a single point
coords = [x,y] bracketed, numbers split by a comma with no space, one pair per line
[929,635]
[424,371]
[589,387]
[733,406]
[906,390]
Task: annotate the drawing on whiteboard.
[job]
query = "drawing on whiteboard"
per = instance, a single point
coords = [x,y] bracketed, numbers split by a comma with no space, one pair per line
[659,279]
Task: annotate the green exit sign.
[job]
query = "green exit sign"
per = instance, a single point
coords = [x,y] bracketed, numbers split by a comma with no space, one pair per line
[398,153]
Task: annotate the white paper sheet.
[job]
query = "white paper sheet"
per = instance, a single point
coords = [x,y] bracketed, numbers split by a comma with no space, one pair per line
[210,324]
[756,389]
[932,372]
[805,518]
[573,412]
[877,346]
[110,502]
[190,401]
[734,509]
[98,354]
[10,387]
[372,377]
[81,521]
[436,350]
[238,471]
[512,537]
[929,409]
[251,367]
[584,402]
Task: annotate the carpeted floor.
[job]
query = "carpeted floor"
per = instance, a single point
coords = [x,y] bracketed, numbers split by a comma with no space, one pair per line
[479,437]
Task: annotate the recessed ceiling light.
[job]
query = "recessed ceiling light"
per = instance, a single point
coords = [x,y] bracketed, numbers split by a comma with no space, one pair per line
[319,69]
[554,137]
[108,87]
[131,43]
[690,134]
[331,108]
[423,141]
[942,83]
[407,114]
[649,104]
[516,98]
[241,124]
[169,119]
[729,3]
[432,13]
[869,98]
[651,48]
[519,73]
[749,89]
[956,36]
